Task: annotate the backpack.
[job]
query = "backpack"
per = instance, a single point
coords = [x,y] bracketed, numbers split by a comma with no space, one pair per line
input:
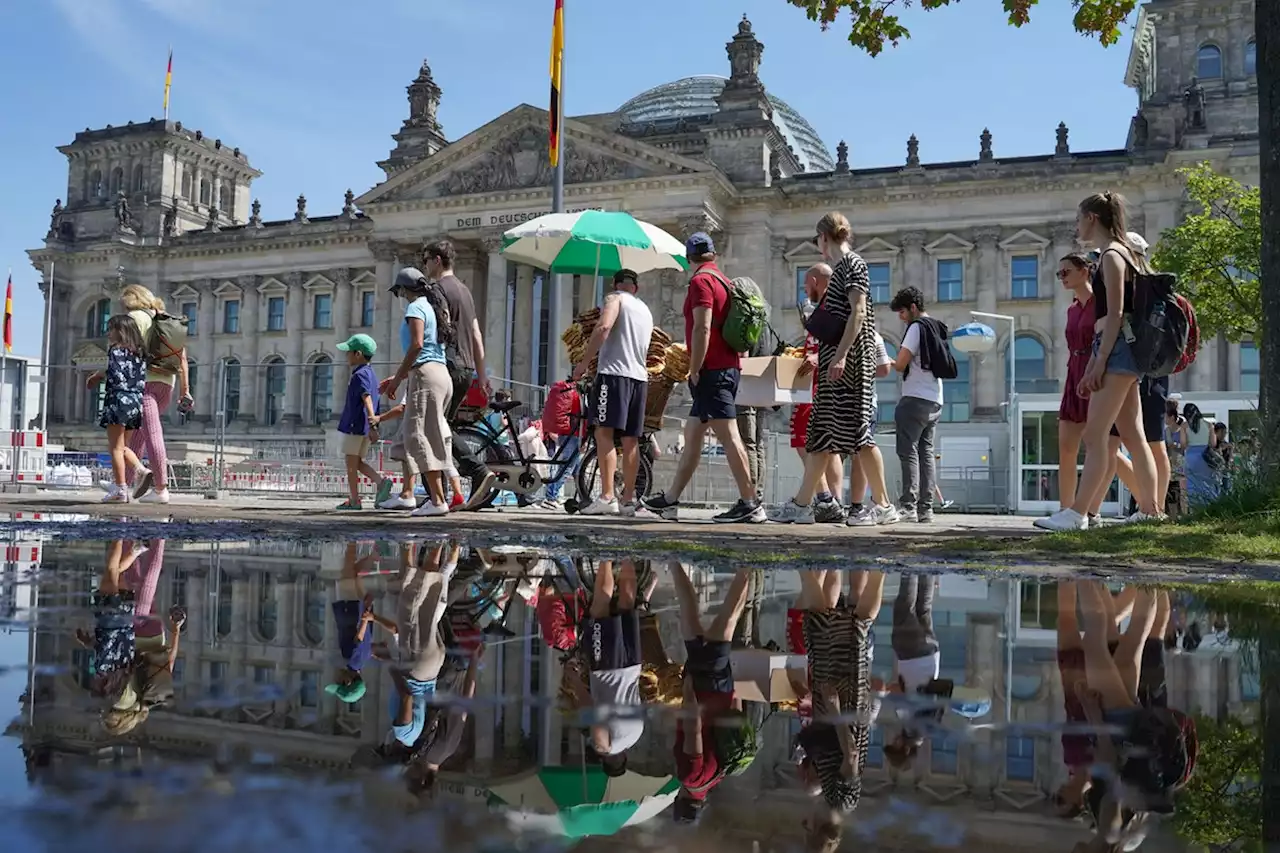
[166,339]
[948,369]
[745,316]
[1159,328]
[735,742]
[1193,335]
[561,405]
[446,332]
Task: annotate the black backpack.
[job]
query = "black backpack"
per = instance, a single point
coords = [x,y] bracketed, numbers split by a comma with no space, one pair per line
[1158,329]
[948,369]
[446,332]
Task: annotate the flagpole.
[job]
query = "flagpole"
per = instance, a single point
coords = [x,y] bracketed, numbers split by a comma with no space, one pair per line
[554,369]
[4,364]
[46,350]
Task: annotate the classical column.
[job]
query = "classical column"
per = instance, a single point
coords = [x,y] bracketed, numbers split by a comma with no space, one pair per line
[250,352]
[297,349]
[207,327]
[987,383]
[780,289]
[492,302]
[341,326]
[522,365]
[1064,243]
[383,310]
[913,266]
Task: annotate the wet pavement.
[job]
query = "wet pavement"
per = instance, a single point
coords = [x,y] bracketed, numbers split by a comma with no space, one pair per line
[201,684]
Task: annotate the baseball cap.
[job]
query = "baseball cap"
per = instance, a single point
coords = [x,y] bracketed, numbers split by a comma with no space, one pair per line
[409,278]
[624,274]
[1138,241]
[350,692]
[699,243]
[362,344]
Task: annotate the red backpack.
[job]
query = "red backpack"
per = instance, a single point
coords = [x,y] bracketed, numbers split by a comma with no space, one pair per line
[1193,335]
[562,403]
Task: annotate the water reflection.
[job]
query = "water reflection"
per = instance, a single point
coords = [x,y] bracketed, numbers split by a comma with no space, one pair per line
[586,696]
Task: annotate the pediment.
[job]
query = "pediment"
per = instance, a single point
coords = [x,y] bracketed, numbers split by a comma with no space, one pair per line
[184,292]
[1025,239]
[510,153]
[89,355]
[948,243]
[227,289]
[318,282]
[806,251]
[273,285]
[877,246]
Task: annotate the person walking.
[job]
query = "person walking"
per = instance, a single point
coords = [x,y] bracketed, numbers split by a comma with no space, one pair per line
[122,407]
[828,500]
[358,422]
[466,353]
[751,430]
[843,413]
[924,354]
[714,372]
[426,330]
[152,482]
[617,401]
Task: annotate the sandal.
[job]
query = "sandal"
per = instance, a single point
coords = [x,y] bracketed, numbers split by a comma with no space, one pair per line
[348,505]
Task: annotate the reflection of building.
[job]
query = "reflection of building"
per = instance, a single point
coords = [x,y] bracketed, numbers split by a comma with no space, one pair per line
[270,298]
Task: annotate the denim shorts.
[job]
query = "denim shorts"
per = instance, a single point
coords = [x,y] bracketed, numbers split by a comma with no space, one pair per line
[1121,358]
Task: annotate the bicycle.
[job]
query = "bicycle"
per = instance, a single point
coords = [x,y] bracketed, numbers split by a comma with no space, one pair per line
[589,471]
[500,451]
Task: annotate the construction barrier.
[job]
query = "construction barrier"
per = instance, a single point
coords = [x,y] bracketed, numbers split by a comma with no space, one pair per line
[22,457]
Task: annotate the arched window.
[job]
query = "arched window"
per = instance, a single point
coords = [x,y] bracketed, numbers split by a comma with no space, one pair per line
[96,189]
[230,389]
[956,392]
[1251,59]
[204,191]
[117,180]
[1031,367]
[1208,62]
[186,185]
[95,325]
[267,610]
[888,390]
[315,609]
[273,388]
[321,390]
[222,622]
[224,199]
[139,178]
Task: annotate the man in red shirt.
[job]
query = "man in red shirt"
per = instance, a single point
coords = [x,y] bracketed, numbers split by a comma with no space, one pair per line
[714,372]
[708,690]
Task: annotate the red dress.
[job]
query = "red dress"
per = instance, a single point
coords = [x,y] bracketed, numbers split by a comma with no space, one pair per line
[1080,320]
[801,413]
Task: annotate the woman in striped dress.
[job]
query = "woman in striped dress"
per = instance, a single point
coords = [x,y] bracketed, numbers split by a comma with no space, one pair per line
[839,642]
[843,413]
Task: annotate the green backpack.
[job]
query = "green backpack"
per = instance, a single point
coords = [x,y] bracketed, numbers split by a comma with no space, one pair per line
[166,339]
[736,744]
[746,316]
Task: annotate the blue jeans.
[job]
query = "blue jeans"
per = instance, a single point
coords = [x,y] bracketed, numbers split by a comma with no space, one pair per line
[1121,359]
[566,447]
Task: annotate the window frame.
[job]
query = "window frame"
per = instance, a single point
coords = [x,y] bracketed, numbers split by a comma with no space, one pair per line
[948,259]
[317,321]
[1014,278]
[1255,372]
[283,302]
[1200,58]
[1250,58]
[193,318]
[964,379]
[230,310]
[269,366]
[368,312]
[320,415]
[231,367]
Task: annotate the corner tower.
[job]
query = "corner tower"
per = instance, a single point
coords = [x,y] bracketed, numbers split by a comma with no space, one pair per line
[421,134]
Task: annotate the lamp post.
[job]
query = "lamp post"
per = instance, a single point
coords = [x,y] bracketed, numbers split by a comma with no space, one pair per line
[1014,483]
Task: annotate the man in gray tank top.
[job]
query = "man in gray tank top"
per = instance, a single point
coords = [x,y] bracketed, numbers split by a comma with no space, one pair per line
[616,403]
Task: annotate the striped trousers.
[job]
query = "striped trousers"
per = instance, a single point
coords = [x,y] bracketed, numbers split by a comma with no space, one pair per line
[155,400]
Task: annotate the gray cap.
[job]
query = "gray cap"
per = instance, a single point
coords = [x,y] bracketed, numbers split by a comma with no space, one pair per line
[409,278]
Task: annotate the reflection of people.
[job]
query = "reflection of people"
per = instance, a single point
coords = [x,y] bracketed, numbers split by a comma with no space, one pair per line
[353,614]
[708,691]
[611,640]
[444,742]
[839,640]
[918,658]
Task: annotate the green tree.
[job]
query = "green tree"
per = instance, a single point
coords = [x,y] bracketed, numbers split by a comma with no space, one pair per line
[1217,253]
[1221,807]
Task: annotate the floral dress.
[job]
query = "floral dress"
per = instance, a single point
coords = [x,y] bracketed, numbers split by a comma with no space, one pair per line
[126,379]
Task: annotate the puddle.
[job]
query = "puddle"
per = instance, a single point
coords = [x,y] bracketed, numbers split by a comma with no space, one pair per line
[499,730]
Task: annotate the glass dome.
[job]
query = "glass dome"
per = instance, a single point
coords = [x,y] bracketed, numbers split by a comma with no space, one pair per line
[695,97]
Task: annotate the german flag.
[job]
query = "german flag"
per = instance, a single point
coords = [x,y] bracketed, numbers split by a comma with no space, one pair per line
[557,68]
[8,316]
[168,81]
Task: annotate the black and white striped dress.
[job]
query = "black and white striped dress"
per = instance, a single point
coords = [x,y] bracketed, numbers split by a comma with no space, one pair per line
[839,647]
[843,414]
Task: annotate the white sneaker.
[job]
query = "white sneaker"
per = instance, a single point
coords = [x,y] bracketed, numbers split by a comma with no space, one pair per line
[157,497]
[430,510]
[600,506]
[792,513]
[627,509]
[908,515]
[873,516]
[398,502]
[1095,521]
[1140,516]
[116,495]
[1063,519]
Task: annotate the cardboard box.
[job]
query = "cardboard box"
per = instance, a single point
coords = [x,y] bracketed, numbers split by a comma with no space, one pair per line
[774,381]
[760,675]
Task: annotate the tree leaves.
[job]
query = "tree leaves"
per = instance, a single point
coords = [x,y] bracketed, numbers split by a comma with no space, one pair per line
[874,22]
[1222,804]
[1216,253]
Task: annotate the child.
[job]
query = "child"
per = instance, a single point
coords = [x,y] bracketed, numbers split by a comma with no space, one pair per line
[126,378]
[358,416]
[353,612]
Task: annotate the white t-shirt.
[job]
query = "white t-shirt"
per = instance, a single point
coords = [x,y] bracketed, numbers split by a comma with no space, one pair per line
[919,382]
[882,352]
[614,688]
[918,672]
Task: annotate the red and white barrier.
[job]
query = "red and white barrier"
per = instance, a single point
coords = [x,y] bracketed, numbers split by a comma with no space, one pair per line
[23,457]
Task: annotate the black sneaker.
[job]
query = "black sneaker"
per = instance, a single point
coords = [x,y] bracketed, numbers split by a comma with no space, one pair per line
[829,513]
[662,506]
[743,512]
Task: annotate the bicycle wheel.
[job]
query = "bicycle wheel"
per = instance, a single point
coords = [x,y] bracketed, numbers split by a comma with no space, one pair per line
[493,453]
[589,476]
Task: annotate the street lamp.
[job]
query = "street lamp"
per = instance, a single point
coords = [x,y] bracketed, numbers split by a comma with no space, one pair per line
[1014,483]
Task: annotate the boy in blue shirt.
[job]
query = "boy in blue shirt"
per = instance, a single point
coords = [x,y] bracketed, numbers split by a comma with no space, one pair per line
[354,424]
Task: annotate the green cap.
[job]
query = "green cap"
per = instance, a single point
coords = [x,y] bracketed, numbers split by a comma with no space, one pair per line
[352,691]
[362,344]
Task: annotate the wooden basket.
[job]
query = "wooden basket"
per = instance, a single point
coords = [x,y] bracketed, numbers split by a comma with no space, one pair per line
[655,404]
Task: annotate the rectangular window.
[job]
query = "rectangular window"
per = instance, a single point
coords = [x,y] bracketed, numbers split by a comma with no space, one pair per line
[275,314]
[1250,368]
[950,280]
[231,317]
[1026,277]
[1020,759]
[955,392]
[189,311]
[322,311]
[879,283]
[801,272]
[367,301]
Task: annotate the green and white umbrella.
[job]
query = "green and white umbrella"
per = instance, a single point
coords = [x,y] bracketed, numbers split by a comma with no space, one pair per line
[575,802]
[593,242]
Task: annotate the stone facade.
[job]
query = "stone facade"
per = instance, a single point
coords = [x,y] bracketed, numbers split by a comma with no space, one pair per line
[270,299]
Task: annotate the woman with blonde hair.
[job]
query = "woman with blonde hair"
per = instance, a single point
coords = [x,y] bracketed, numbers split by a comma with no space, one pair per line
[1110,380]
[152,483]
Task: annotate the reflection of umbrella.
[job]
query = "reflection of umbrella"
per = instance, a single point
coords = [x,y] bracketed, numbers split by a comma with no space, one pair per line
[575,802]
[593,242]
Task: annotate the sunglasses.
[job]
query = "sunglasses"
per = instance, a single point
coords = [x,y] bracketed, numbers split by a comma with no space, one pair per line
[1062,274]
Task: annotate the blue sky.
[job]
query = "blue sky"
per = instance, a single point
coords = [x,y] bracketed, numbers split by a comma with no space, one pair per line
[311,91]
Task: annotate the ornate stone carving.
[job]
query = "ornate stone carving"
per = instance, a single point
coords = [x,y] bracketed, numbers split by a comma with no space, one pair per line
[1063,233]
[1062,149]
[985,154]
[744,54]
[842,156]
[912,239]
[300,215]
[170,224]
[340,277]
[775,166]
[348,205]
[520,162]
[124,218]
[491,243]
[986,236]
[424,100]
[913,152]
[778,245]
[689,225]
[382,250]
[1193,97]
[255,214]
[211,224]
[1140,131]
[55,220]
[293,279]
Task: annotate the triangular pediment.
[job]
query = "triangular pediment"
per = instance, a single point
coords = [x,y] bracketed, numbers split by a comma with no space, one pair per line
[89,355]
[877,246]
[510,154]
[806,251]
[948,243]
[1025,239]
